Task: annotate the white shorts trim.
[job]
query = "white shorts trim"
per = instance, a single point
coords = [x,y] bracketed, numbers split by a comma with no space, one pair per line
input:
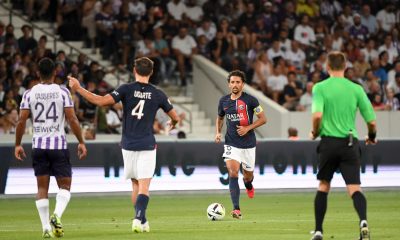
[245,156]
[139,164]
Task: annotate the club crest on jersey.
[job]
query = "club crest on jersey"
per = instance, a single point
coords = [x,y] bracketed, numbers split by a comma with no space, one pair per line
[241,107]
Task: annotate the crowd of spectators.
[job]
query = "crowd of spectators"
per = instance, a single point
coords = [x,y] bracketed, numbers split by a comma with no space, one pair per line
[281,45]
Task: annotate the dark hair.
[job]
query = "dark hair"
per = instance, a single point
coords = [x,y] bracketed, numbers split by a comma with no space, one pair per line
[144,66]
[237,73]
[46,68]
[336,61]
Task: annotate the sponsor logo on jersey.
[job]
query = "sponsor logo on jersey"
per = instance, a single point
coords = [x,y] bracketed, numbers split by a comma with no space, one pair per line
[47,129]
[235,117]
[115,93]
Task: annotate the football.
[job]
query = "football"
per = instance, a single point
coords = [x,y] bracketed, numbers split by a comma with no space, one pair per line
[215,211]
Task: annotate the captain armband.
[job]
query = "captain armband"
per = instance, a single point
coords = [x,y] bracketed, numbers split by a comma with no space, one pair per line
[258,109]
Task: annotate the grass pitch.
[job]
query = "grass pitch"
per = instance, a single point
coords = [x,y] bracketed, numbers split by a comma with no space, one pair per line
[272,216]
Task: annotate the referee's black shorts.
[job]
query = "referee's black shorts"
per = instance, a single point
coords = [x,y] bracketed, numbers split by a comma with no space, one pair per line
[336,154]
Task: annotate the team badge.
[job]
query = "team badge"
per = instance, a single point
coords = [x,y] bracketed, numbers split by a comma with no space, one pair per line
[241,107]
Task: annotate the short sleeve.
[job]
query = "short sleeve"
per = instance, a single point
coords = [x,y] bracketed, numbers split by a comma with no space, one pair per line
[165,104]
[25,102]
[221,111]
[119,93]
[365,106]
[317,100]
[66,97]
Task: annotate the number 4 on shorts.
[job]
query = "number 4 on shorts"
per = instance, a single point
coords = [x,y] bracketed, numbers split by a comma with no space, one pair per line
[138,110]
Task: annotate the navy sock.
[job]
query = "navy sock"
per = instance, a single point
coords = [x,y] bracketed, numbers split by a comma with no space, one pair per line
[144,220]
[249,184]
[320,205]
[360,204]
[141,205]
[235,192]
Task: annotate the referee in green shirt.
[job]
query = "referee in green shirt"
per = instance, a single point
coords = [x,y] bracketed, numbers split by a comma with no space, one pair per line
[334,108]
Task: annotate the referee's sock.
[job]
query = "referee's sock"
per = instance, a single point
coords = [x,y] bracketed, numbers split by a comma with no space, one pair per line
[235,191]
[249,184]
[360,204]
[141,206]
[320,205]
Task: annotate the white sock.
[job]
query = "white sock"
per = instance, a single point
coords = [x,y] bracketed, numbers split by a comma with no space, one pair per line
[62,200]
[42,206]
[363,222]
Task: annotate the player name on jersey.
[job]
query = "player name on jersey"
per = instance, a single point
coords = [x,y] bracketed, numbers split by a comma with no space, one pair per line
[142,95]
[47,96]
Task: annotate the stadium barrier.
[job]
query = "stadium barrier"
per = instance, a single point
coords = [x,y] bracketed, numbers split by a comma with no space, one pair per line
[282,156]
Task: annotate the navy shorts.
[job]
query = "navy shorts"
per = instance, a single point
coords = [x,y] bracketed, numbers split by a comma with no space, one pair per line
[52,162]
[335,154]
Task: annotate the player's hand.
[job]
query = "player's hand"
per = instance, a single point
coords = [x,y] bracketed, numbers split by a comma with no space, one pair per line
[73,83]
[170,125]
[369,141]
[218,138]
[242,130]
[19,153]
[82,151]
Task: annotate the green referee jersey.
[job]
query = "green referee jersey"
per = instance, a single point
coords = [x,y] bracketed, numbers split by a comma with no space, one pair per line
[338,100]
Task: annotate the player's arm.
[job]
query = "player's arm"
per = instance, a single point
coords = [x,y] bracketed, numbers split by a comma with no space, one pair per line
[174,118]
[76,129]
[317,112]
[91,97]
[261,120]
[19,132]
[219,123]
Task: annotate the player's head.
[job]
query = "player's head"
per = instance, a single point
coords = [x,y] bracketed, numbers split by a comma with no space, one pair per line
[46,69]
[336,61]
[236,80]
[144,66]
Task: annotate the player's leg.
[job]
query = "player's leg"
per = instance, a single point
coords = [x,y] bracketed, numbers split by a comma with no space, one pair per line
[135,190]
[42,203]
[41,168]
[233,171]
[232,158]
[61,169]
[146,164]
[350,169]
[142,201]
[248,164]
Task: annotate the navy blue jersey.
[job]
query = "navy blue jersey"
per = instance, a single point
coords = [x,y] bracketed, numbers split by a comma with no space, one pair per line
[140,103]
[239,112]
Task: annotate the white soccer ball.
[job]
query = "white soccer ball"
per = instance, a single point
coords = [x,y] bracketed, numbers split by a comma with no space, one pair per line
[215,211]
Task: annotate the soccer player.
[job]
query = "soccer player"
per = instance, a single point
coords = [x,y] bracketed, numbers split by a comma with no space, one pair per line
[240,140]
[334,108]
[49,105]
[140,101]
